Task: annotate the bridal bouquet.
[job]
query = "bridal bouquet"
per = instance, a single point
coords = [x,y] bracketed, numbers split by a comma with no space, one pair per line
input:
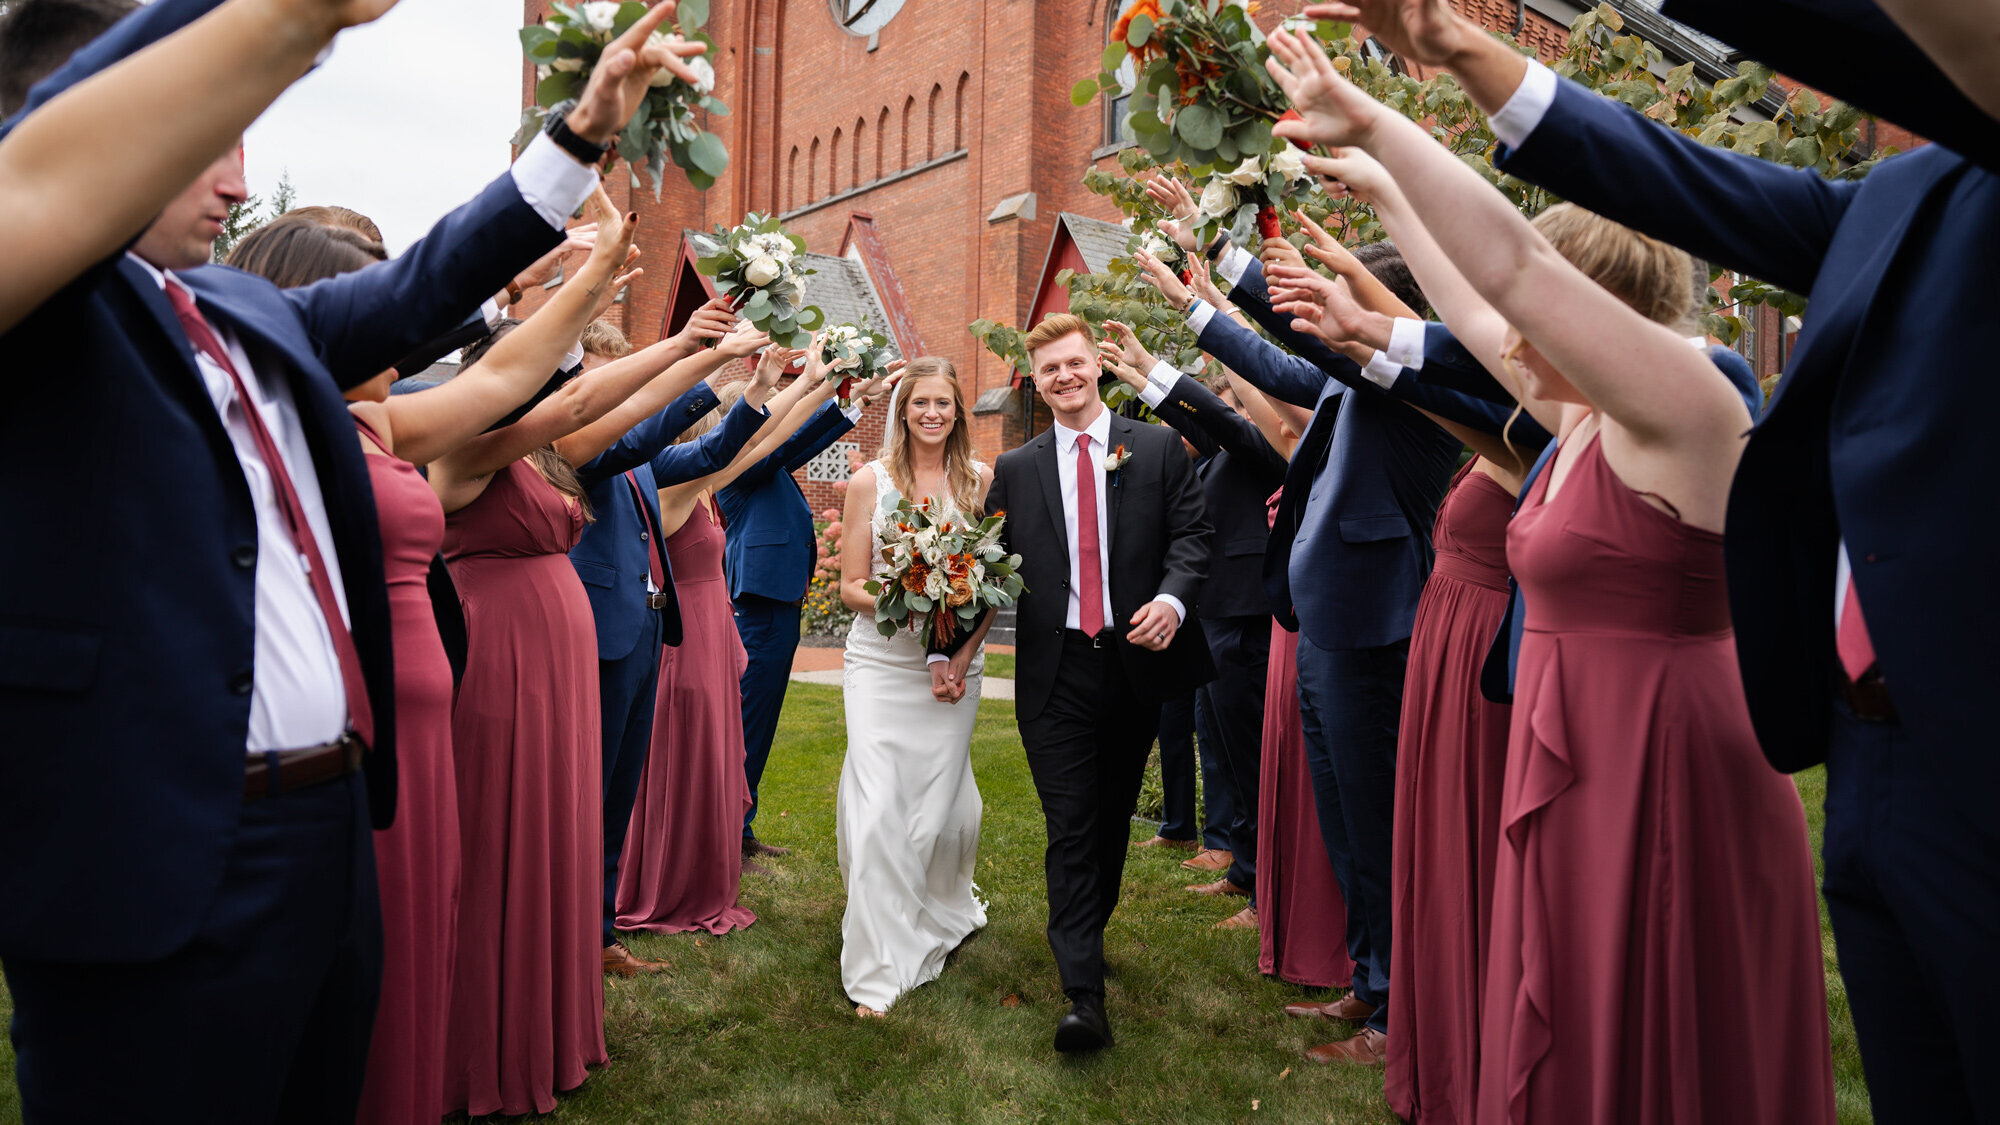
[1249,197]
[854,355]
[756,264]
[564,49]
[942,575]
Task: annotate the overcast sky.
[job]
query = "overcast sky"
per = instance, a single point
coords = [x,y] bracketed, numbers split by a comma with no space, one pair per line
[409,118]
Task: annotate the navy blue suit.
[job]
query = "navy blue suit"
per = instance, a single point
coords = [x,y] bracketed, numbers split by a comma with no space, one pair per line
[1873,435]
[613,561]
[1347,561]
[769,554]
[1238,470]
[247,935]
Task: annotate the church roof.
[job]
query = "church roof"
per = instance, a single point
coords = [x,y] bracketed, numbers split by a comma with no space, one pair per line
[1098,241]
[840,287]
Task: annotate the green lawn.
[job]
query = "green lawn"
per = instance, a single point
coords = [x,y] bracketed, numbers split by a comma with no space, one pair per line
[753,1027]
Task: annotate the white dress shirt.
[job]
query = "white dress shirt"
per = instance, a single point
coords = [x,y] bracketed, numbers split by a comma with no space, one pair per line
[1100,432]
[297,697]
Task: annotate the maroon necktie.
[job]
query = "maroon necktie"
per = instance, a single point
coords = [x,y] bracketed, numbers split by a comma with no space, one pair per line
[1089,578]
[359,714]
[1851,643]
[654,546]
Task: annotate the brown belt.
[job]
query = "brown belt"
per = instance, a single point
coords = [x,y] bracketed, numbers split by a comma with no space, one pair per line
[301,769]
[1868,699]
[661,600]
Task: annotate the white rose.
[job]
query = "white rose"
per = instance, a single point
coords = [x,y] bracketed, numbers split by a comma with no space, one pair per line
[569,66]
[704,74]
[601,15]
[1156,246]
[1290,164]
[1111,462]
[1218,198]
[761,271]
[542,72]
[1246,173]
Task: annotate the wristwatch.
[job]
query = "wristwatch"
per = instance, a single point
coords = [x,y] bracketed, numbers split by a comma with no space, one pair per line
[1215,248]
[566,139]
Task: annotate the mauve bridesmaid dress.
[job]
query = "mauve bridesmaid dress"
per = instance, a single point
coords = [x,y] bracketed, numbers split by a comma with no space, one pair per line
[527,1016]
[1450,759]
[683,861]
[416,858]
[1655,955]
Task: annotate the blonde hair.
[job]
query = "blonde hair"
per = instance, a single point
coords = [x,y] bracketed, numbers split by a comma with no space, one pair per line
[342,217]
[1054,327]
[605,340]
[1645,273]
[959,474]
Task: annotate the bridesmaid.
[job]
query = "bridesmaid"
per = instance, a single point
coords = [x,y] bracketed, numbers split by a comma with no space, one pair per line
[1655,951]
[417,858]
[683,863]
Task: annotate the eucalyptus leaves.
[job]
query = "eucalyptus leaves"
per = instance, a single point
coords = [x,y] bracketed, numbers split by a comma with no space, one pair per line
[564,50]
[853,356]
[756,265]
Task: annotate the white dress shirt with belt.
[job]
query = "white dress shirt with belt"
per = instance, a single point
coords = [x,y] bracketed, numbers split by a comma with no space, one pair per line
[297,697]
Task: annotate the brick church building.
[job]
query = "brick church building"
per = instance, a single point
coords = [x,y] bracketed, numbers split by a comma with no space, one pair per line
[930,152]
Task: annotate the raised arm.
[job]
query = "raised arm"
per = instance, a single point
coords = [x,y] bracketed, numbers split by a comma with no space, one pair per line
[422,428]
[201,75]
[792,408]
[1184,404]
[691,364]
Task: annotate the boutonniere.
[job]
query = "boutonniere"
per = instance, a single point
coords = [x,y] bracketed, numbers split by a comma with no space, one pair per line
[1114,461]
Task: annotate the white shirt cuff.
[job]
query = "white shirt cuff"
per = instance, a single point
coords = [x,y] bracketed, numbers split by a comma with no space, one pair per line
[1232,266]
[935,658]
[552,181]
[572,357]
[1381,370]
[853,411]
[1406,344]
[1199,314]
[493,312]
[1526,108]
[1173,603]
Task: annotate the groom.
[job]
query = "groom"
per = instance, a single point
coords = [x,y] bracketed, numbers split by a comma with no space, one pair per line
[1106,633]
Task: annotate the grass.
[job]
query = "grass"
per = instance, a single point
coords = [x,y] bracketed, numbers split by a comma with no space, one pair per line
[1000,665]
[752,1027]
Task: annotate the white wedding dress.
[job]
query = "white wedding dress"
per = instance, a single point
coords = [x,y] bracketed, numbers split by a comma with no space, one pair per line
[907,818]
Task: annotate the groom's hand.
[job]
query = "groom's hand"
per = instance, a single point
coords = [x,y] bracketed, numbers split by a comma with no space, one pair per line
[1154,626]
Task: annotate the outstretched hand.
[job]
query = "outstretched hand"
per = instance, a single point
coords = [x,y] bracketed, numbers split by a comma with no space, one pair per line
[712,321]
[1163,279]
[625,71]
[1422,31]
[1173,196]
[1125,348]
[1322,307]
[1332,110]
[884,381]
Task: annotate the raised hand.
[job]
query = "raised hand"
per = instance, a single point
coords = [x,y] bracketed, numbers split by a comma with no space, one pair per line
[1173,196]
[1423,31]
[1326,249]
[576,246]
[772,364]
[1112,359]
[1332,110]
[624,73]
[1279,252]
[610,252]
[1324,308]
[742,340]
[712,321]
[816,366]
[1130,351]
[1350,173]
[1163,279]
[864,394]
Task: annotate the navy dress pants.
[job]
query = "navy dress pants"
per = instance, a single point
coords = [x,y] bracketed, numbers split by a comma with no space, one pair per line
[1350,703]
[628,689]
[1230,714]
[263,1017]
[1913,888]
[770,632]
[1177,766]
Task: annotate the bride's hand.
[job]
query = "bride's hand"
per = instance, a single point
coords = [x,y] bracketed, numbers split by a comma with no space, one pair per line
[940,685]
[957,667]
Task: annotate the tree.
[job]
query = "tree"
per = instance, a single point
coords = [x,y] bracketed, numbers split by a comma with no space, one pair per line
[250,214]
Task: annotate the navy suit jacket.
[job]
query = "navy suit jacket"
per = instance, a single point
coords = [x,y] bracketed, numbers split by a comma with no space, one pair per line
[126,607]
[1351,549]
[771,549]
[611,557]
[1238,471]
[1871,434]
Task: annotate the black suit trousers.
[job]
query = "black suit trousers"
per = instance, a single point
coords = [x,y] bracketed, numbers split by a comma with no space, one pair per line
[1235,702]
[1087,750]
[265,1016]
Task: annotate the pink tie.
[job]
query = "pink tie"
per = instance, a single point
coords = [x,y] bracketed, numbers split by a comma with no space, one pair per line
[359,714]
[1089,580]
[1856,651]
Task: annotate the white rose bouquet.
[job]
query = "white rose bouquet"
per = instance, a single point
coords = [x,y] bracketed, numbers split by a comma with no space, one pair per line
[1247,198]
[564,50]
[755,264]
[853,355]
[943,574]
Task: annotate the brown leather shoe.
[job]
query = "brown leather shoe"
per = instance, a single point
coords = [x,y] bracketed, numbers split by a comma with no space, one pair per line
[754,846]
[752,867]
[1244,919]
[1163,842]
[1366,1049]
[1221,887]
[1345,1008]
[620,962]
[1210,859]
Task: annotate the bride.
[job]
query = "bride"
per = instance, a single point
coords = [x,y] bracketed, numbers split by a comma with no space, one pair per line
[907,819]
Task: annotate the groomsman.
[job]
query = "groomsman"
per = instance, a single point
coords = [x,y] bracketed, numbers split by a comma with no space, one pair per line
[1864,640]
[1107,517]
[195,670]
[770,553]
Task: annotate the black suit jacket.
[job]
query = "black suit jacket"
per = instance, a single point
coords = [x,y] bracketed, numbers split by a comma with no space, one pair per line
[1239,471]
[1158,534]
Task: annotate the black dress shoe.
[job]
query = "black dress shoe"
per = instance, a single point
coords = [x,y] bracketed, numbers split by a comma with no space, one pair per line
[753,847]
[1084,1029]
